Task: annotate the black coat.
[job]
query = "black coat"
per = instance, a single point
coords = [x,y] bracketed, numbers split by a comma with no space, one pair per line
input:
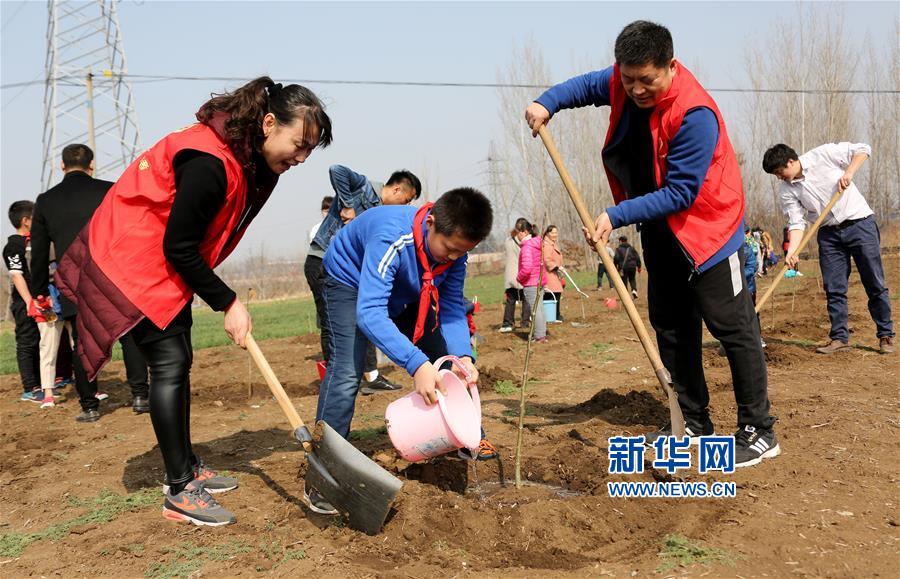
[59,215]
[626,259]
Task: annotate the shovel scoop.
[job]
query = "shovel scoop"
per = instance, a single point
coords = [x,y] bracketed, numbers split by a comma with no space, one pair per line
[356,486]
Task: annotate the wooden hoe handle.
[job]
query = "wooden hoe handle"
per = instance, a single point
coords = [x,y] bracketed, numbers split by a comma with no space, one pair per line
[662,374]
[807,236]
[275,386]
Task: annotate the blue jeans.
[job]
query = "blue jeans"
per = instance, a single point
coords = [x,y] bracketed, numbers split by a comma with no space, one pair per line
[347,344]
[861,241]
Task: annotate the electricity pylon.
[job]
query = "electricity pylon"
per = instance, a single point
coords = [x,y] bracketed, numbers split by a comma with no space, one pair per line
[87,98]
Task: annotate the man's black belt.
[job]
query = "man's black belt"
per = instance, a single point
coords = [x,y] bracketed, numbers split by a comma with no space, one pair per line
[845,224]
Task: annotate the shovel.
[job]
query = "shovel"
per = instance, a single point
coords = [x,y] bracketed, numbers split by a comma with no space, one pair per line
[575,285]
[359,489]
[665,379]
[807,236]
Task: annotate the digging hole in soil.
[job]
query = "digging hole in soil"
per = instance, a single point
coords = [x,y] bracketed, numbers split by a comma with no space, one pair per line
[485,490]
[476,479]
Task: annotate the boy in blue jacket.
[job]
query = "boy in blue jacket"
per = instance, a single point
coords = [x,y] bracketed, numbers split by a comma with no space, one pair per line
[395,275]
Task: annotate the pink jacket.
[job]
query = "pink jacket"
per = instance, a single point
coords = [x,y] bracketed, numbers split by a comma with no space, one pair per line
[530,262]
[553,259]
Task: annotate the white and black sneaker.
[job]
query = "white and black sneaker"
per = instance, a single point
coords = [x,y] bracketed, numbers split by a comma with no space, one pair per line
[751,445]
[379,384]
[691,429]
[317,502]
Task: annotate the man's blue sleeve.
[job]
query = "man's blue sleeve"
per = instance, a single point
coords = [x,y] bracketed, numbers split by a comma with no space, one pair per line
[690,153]
[587,89]
[454,325]
[376,281]
[345,182]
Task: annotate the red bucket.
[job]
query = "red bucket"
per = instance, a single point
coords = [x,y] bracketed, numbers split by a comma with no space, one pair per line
[321,365]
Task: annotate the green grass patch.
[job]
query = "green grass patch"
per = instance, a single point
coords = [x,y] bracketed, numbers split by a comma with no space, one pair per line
[680,551]
[8,350]
[598,349]
[187,559]
[367,418]
[273,551]
[280,319]
[102,509]
[505,387]
[368,433]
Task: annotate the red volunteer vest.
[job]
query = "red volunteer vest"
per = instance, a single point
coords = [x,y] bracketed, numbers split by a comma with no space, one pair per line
[126,233]
[717,212]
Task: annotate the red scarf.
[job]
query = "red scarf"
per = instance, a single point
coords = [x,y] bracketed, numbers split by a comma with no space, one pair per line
[429,292]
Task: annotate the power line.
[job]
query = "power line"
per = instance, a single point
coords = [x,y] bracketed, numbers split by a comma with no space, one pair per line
[13,16]
[154,78]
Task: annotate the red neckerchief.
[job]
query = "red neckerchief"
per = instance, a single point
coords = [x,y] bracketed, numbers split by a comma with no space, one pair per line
[429,292]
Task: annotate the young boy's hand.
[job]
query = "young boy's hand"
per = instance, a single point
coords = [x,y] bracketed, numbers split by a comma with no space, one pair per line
[425,380]
[472,378]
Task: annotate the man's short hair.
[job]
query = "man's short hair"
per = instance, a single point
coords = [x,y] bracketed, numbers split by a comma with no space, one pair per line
[777,157]
[19,211]
[465,211]
[77,156]
[405,177]
[326,202]
[641,42]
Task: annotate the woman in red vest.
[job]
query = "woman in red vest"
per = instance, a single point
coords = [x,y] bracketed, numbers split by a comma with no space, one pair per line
[175,213]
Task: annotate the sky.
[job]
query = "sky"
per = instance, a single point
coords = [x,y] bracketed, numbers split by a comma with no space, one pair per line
[440,133]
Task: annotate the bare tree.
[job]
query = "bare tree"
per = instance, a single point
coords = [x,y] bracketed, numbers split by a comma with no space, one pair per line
[815,64]
[532,188]
[883,118]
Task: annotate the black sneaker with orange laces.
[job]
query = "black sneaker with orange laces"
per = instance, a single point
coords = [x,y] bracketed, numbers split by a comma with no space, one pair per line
[485,451]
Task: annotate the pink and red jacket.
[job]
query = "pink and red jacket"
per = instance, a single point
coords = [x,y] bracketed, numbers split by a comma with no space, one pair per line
[530,263]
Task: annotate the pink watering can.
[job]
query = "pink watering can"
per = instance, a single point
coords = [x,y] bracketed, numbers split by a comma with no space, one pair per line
[419,431]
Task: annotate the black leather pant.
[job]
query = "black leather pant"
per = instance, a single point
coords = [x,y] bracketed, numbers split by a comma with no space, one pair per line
[169,359]
[135,366]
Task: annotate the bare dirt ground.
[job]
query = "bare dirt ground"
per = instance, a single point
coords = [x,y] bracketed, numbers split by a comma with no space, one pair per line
[827,507]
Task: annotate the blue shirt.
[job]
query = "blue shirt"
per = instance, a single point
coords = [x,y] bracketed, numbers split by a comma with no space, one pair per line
[350,190]
[690,153]
[376,254]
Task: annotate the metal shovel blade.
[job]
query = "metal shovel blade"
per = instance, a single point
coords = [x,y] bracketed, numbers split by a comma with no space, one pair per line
[355,485]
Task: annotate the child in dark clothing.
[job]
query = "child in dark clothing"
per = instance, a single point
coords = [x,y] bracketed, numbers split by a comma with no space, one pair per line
[28,340]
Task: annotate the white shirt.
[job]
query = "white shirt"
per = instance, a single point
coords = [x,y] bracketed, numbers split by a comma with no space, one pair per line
[805,198]
[314,230]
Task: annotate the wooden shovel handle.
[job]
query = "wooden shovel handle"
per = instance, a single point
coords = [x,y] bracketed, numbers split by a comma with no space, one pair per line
[807,236]
[627,301]
[274,385]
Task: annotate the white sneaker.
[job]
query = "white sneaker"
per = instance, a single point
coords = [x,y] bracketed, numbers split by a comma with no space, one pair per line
[101,395]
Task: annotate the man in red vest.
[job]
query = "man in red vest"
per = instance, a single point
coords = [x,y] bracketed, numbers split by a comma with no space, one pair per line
[672,169]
